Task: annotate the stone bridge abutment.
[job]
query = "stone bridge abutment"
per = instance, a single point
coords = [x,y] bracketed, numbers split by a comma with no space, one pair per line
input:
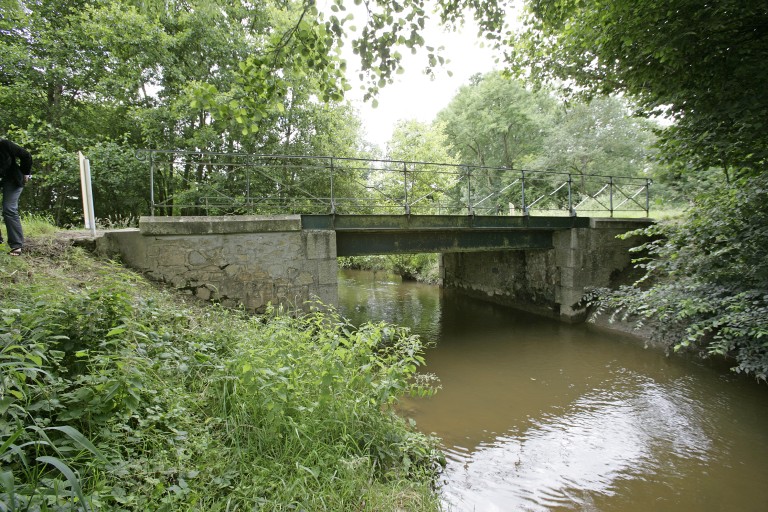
[247,261]
[550,281]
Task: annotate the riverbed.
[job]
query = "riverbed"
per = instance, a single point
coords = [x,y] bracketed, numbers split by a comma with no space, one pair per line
[535,415]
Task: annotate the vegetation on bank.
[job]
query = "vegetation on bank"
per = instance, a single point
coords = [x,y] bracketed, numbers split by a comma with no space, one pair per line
[703,284]
[422,267]
[117,395]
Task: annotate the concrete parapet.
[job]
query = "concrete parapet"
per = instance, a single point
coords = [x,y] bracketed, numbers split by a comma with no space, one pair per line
[249,261]
[192,225]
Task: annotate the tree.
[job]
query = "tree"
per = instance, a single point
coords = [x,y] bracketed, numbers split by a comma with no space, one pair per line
[701,64]
[497,122]
[598,137]
[496,127]
[421,172]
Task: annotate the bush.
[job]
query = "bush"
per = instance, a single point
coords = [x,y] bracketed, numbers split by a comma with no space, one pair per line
[117,396]
[705,278]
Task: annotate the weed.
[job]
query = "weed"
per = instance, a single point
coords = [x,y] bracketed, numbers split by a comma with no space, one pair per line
[116,395]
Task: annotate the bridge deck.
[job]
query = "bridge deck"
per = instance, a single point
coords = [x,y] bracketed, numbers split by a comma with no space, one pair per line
[358,235]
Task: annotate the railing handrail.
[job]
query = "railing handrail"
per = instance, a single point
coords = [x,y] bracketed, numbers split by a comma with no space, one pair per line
[408,170]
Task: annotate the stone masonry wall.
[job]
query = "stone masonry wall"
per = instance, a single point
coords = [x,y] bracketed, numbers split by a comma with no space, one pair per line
[524,280]
[548,282]
[250,261]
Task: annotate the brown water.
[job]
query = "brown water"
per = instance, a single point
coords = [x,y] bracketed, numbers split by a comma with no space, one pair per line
[540,416]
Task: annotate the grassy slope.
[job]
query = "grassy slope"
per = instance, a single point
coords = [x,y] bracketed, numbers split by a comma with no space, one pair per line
[128,397]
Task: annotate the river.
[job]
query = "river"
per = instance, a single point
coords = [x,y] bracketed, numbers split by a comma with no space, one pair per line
[541,416]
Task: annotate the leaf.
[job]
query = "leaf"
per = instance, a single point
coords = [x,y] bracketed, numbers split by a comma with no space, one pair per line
[8,442]
[80,439]
[7,483]
[68,474]
[116,331]
[5,403]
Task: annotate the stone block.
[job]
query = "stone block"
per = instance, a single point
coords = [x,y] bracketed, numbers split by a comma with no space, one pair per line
[203,293]
[320,244]
[327,272]
[304,279]
[197,258]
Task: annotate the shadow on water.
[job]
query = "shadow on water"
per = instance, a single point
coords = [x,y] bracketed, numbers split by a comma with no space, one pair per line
[536,415]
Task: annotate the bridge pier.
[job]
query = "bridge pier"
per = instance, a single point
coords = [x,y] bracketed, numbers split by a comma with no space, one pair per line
[549,282]
[247,261]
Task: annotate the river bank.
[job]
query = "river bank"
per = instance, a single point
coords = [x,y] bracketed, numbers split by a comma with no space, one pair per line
[122,395]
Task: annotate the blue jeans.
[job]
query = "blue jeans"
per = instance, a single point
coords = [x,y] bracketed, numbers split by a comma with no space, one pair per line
[11,193]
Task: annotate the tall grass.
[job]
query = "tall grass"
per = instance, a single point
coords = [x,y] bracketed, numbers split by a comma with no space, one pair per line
[119,396]
[36,225]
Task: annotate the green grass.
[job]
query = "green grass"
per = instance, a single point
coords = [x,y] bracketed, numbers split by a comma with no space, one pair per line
[656,214]
[118,395]
[37,225]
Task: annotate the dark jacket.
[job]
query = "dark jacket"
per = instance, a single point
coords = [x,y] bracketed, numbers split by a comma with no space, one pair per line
[15,162]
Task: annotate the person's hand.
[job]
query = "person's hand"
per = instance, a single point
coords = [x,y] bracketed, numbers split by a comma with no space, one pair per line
[27,177]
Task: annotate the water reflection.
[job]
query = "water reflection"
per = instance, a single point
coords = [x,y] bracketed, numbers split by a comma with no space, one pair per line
[603,438]
[538,416]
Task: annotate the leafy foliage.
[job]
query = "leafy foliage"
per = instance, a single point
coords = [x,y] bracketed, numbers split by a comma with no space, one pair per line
[422,267]
[701,64]
[108,78]
[117,396]
[599,137]
[497,122]
[707,278]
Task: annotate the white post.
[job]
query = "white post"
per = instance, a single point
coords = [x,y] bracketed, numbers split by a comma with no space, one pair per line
[85,185]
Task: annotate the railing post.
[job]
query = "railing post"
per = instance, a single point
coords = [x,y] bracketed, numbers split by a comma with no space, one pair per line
[610,181]
[522,188]
[151,184]
[470,210]
[333,199]
[571,211]
[405,189]
[647,197]
[250,206]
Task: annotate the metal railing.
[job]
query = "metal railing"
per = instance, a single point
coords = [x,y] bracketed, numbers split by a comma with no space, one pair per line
[202,183]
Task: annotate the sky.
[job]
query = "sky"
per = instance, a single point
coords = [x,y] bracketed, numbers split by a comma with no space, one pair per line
[413,95]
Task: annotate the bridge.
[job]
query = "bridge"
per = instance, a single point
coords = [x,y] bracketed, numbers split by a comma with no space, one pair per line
[253,229]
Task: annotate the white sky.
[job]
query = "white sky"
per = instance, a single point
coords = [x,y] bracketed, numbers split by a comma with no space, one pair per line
[413,95]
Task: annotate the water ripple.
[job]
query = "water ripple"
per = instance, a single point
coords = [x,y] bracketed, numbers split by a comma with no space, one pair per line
[605,436]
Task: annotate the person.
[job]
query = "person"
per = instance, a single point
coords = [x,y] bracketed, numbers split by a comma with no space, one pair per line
[15,172]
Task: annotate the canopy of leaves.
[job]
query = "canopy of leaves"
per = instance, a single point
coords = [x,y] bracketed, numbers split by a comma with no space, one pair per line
[201,75]
[701,63]
[497,122]
[598,137]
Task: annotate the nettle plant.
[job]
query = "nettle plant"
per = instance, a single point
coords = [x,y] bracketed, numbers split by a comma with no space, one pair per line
[33,471]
